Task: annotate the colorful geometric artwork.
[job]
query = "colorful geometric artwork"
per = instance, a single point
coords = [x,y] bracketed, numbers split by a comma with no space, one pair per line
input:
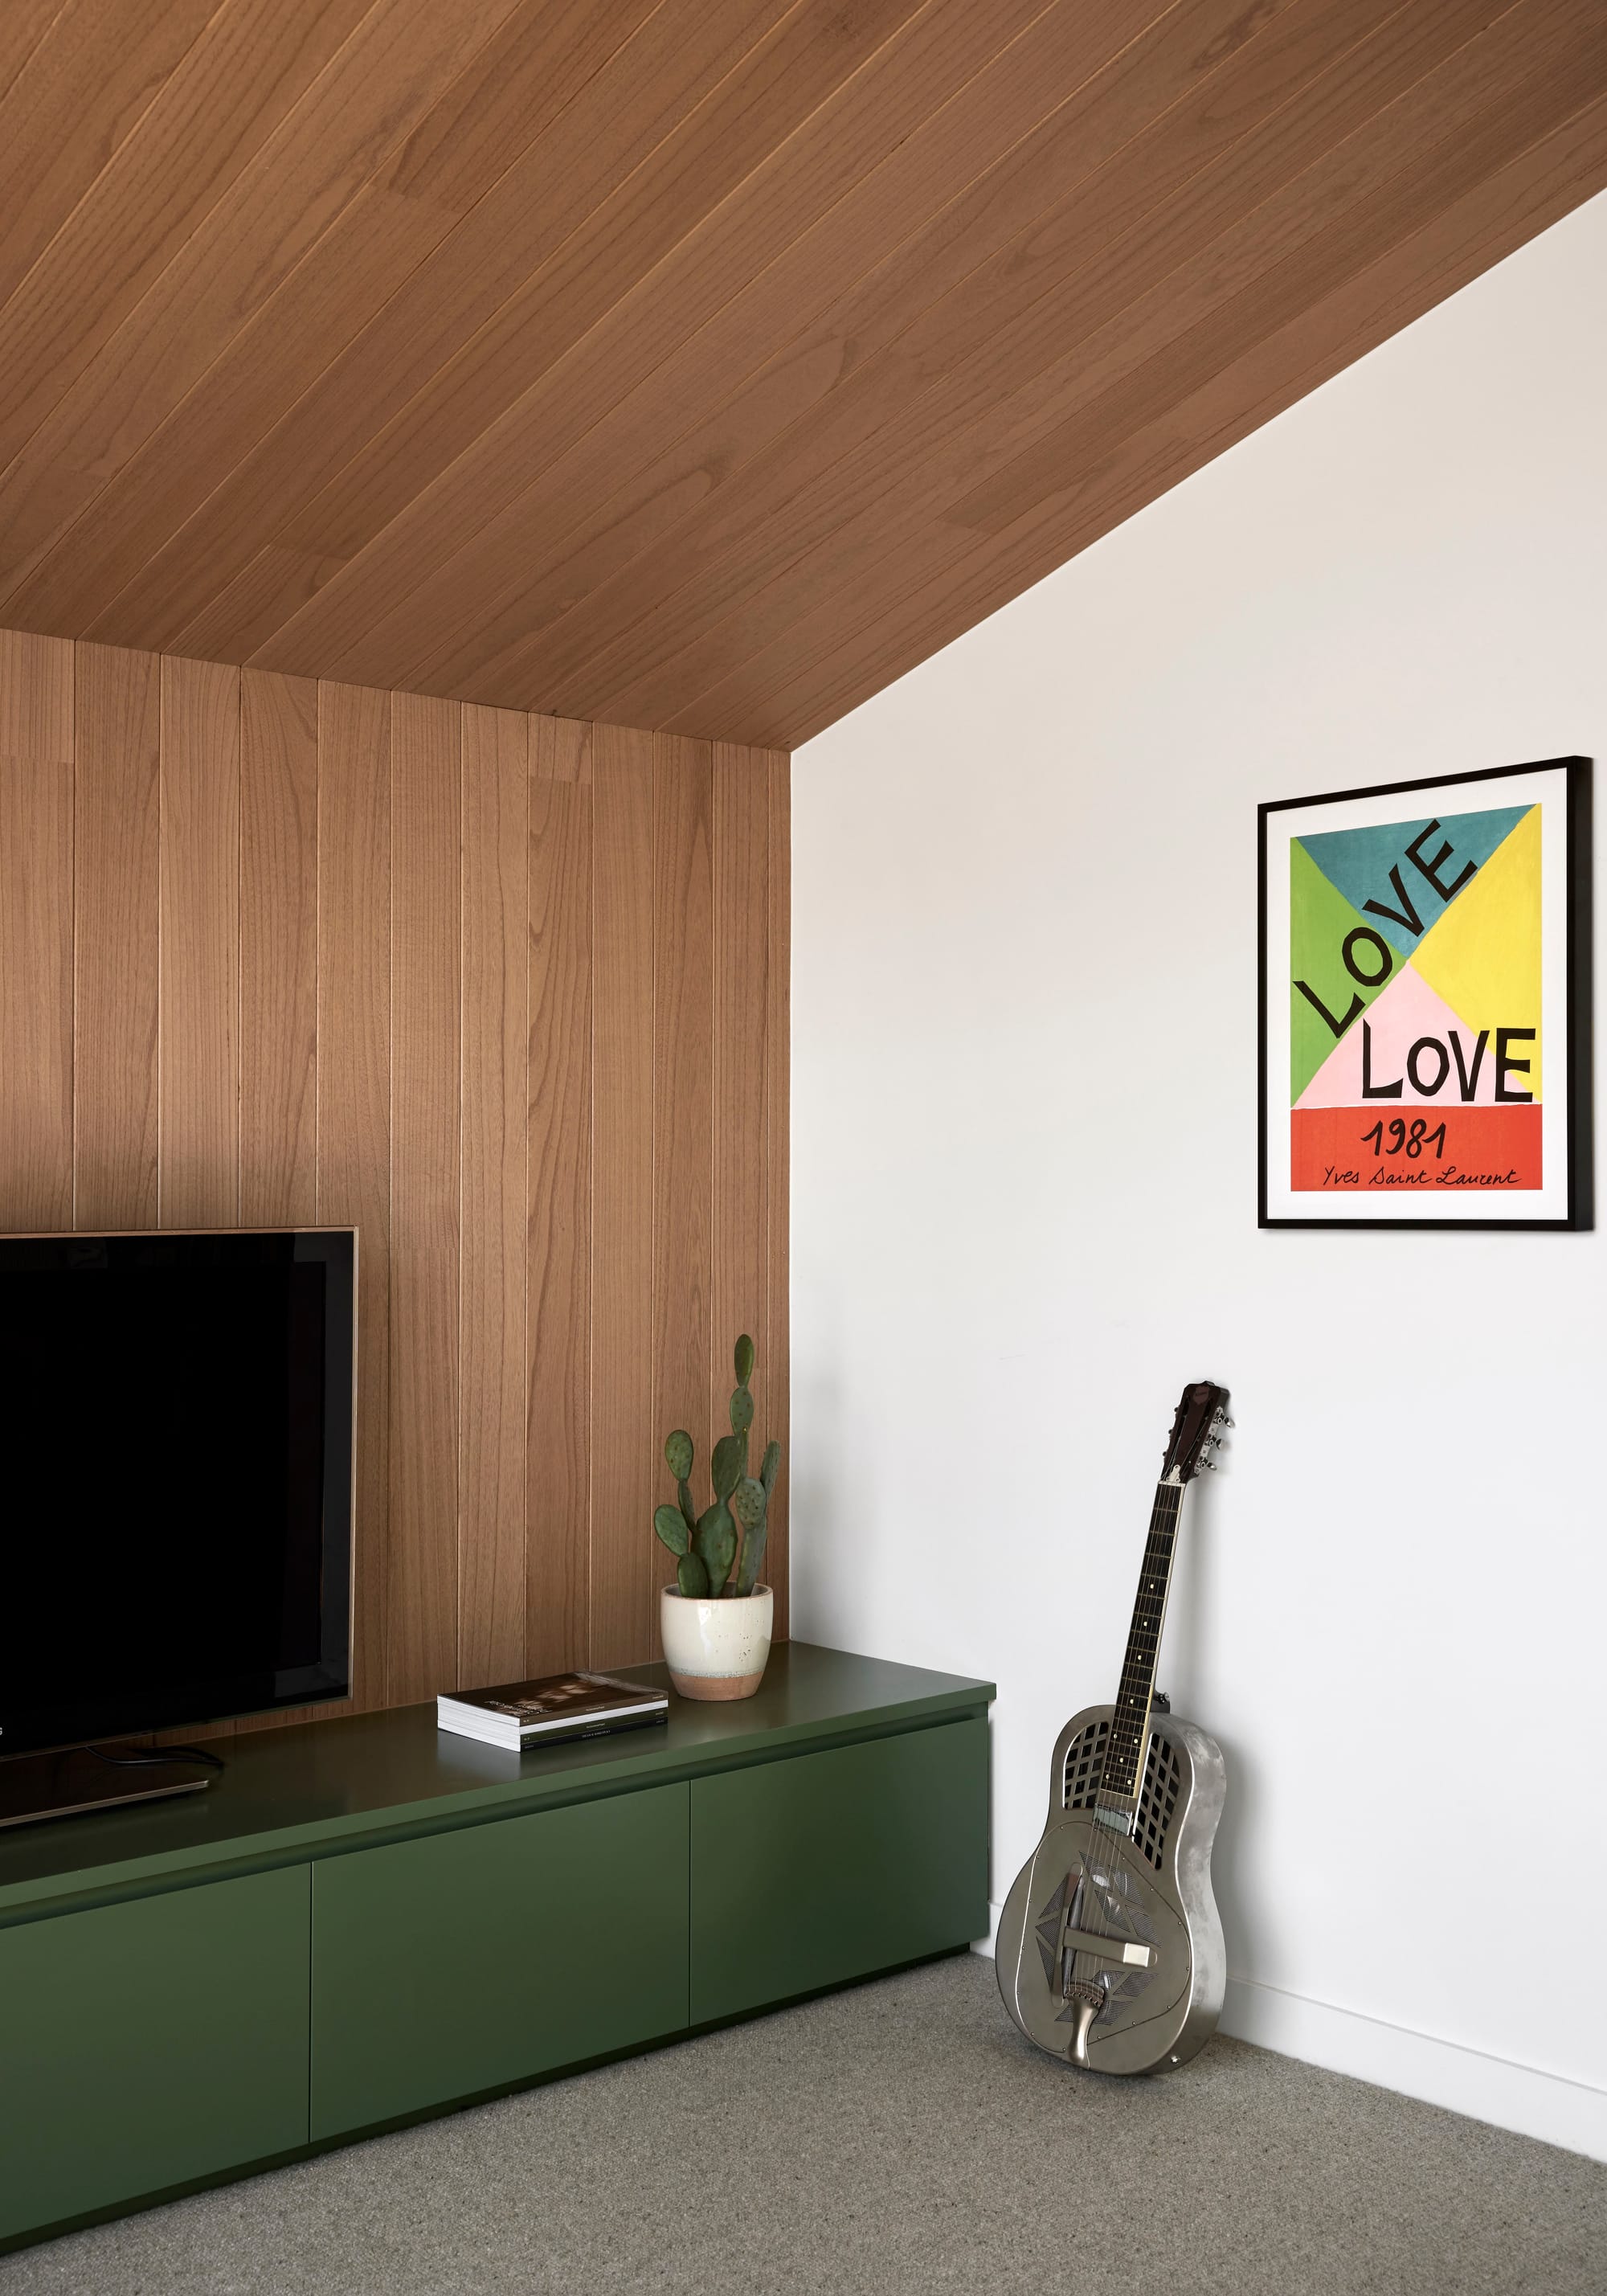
[1424,1003]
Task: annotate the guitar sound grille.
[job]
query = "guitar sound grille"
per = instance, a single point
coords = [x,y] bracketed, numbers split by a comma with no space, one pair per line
[1163,1783]
[1084,1765]
[1156,1801]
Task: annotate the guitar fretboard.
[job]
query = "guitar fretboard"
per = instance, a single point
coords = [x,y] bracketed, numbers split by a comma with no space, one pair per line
[1130,1727]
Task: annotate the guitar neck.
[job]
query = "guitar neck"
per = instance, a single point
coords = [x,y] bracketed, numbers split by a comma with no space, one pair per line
[1129,1738]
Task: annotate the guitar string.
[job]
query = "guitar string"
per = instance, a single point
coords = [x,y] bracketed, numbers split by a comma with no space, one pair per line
[1164,1516]
[1160,1555]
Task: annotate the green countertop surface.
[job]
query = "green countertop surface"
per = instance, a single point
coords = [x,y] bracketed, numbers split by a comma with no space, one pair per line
[321,1788]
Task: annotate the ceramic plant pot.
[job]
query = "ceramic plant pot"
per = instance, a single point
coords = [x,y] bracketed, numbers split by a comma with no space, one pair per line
[716,1649]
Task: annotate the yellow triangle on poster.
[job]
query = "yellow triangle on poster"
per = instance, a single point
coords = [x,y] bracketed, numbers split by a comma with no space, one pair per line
[1483,956]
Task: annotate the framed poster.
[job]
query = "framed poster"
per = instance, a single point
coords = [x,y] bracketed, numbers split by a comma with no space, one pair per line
[1425,1003]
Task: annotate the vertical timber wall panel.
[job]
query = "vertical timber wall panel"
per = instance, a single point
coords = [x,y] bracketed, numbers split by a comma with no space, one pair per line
[778,1074]
[117,907]
[683,1028]
[353,1102]
[197,1174]
[738,1196]
[492,1293]
[559,1250]
[507,993]
[426,1096]
[625,1461]
[36,912]
[278,950]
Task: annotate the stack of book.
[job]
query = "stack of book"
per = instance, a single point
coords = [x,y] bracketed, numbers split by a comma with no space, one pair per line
[516,1714]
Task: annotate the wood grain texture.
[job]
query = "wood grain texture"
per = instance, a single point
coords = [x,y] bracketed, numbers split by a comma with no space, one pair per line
[278,950]
[421,1609]
[36,931]
[377,83]
[676,367]
[253,61]
[897,435]
[558,1261]
[78,98]
[739,1169]
[517,284]
[778,1076]
[354,1106]
[117,933]
[626,1462]
[198,1179]
[954,569]
[506,993]
[682,1024]
[493,1289]
[689,316]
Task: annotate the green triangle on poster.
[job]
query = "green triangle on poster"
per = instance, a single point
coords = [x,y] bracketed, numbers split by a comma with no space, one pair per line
[1320,921]
[1357,863]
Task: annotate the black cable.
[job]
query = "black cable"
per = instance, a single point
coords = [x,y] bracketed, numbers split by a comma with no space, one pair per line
[155,1760]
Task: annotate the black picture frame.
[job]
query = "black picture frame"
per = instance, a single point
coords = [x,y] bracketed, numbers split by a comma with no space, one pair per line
[1579,1213]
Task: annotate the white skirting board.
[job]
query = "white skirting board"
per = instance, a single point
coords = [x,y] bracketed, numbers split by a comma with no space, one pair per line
[1519,2097]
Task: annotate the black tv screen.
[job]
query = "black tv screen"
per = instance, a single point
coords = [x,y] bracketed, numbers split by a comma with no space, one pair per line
[176,1425]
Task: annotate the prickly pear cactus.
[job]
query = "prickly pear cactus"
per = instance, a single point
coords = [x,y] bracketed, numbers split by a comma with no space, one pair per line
[748,1505]
[753,1555]
[671,1527]
[715,1542]
[719,1552]
[730,1464]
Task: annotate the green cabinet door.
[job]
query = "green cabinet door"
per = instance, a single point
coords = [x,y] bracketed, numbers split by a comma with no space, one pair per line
[145,2043]
[812,1871]
[466,1960]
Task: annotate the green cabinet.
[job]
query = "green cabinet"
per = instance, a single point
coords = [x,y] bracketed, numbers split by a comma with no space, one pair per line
[367,1917]
[808,1872]
[151,2042]
[492,1953]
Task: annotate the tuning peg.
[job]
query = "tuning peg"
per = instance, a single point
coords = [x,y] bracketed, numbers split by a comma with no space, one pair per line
[1221,1419]
[1208,1466]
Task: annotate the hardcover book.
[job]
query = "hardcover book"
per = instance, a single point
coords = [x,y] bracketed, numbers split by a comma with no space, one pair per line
[515,1714]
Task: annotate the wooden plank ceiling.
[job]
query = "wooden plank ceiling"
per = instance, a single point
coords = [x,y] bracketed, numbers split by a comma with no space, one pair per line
[702,365]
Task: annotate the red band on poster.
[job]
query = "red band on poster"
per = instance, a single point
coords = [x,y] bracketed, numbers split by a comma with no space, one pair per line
[1420,1150]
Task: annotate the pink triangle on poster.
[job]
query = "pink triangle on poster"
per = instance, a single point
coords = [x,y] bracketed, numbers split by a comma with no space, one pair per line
[1408,1011]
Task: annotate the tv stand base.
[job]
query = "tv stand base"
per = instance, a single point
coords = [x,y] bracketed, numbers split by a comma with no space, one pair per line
[36,1786]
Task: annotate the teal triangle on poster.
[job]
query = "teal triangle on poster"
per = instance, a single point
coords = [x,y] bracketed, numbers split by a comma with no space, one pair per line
[1357,863]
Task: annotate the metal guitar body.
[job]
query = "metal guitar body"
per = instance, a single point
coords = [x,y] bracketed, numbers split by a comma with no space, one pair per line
[1110,1948]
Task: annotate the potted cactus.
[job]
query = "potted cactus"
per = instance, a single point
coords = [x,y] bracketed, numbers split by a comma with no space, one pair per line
[716,1619]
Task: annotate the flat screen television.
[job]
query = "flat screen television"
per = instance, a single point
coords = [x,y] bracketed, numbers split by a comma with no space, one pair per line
[176,1479]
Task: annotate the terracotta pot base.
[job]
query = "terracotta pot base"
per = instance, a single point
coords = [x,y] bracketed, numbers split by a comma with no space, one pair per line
[716,1686]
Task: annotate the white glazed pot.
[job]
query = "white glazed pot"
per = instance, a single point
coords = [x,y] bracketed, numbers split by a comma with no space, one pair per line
[716,1649]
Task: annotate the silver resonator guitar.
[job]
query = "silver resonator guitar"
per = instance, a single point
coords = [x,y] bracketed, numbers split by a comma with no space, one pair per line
[1110,1951]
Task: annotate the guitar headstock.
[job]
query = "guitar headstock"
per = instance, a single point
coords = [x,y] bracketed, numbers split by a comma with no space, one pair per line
[1197,1429]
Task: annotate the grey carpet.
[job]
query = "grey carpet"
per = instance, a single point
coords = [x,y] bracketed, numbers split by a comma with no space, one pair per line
[899,2137]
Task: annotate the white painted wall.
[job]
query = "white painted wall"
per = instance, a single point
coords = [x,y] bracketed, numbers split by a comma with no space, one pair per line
[1024,1208]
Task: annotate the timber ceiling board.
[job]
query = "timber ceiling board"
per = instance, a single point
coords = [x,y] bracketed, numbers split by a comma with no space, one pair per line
[699,363]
